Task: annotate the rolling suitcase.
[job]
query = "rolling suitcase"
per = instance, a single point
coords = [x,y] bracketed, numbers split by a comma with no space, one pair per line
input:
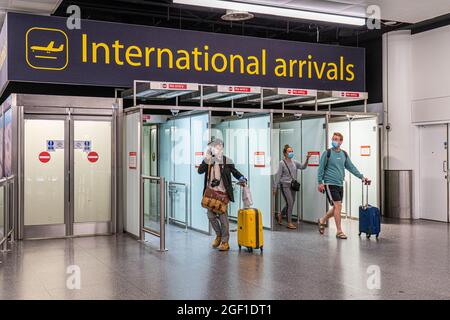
[369,217]
[250,228]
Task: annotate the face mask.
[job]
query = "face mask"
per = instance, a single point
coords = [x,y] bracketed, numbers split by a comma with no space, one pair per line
[217,151]
[335,144]
[290,155]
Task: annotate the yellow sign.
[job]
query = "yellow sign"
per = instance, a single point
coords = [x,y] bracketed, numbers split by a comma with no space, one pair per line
[42,53]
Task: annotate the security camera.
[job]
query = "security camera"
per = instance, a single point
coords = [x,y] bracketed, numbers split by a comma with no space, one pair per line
[298,115]
[388,127]
[174,112]
[239,114]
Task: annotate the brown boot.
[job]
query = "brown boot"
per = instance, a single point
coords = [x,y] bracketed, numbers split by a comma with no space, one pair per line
[290,225]
[224,246]
[216,242]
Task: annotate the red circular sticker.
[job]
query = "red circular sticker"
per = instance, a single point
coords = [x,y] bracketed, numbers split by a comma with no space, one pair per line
[92,156]
[44,157]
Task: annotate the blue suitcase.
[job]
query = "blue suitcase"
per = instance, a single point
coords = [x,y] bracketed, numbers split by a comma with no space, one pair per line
[369,217]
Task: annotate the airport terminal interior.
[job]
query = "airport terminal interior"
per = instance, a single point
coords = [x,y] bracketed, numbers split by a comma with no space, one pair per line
[134,135]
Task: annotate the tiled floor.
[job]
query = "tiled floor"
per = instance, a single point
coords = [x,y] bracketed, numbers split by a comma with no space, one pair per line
[414,260]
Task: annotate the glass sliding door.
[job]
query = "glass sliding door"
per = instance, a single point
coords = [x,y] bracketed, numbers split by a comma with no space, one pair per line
[46,176]
[67,170]
[92,162]
[313,140]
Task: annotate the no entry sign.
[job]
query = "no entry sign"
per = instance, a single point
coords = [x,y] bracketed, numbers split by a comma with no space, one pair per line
[44,157]
[92,156]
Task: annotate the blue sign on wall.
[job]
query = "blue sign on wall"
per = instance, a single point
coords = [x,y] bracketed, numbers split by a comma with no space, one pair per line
[42,49]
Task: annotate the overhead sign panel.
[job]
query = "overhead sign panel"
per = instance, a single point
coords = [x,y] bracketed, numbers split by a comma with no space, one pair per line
[43,49]
[297,92]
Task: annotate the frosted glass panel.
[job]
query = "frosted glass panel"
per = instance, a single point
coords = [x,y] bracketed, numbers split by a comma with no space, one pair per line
[364,152]
[2,212]
[290,133]
[181,157]
[260,166]
[8,143]
[166,168]
[199,141]
[313,139]
[92,172]
[238,151]
[43,181]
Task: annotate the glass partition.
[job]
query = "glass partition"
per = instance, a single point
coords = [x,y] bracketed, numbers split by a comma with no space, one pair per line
[306,135]
[361,143]
[3,212]
[152,204]
[247,144]
[182,142]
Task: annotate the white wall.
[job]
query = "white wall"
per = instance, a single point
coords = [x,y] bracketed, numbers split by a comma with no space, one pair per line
[431,63]
[416,74]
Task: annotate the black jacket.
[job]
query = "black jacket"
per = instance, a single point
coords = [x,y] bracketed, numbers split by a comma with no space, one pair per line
[227,170]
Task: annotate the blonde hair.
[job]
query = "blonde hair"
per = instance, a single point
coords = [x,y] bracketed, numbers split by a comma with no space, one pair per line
[338,134]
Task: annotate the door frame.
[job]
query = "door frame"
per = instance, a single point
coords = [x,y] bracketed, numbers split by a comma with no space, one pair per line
[70,228]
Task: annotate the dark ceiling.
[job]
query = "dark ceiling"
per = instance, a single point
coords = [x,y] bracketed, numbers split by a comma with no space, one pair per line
[163,13]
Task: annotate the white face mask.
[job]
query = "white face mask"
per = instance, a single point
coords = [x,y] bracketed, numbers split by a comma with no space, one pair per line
[217,151]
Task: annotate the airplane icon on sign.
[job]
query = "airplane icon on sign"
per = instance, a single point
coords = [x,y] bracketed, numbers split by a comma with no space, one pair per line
[50,48]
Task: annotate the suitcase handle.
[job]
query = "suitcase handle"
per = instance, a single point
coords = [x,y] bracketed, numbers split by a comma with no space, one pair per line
[240,185]
[367,184]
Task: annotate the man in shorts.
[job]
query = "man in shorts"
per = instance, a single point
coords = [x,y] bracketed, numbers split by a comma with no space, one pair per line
[330,177]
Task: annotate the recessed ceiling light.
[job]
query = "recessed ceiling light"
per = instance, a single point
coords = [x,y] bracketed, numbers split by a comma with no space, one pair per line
[233,15]
[389,23]
[274,11]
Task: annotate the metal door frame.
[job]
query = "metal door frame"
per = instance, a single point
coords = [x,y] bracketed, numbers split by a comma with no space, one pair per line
[67,114]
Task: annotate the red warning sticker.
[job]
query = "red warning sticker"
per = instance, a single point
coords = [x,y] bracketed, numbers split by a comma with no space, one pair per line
[44,157]
[92,156]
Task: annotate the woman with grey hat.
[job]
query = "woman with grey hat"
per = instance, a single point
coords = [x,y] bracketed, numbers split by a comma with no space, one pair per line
[218,178]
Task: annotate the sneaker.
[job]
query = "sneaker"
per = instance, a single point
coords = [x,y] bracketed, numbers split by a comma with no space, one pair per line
[216,242]
[224,246]
[291,226]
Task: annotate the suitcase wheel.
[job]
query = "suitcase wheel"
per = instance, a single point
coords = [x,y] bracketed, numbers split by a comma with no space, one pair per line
[359,234]
[368,236]
[378,235]
[249,249]
[261,249]
[240,247]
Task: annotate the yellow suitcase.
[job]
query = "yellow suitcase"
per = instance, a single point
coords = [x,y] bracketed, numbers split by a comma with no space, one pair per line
[250,229]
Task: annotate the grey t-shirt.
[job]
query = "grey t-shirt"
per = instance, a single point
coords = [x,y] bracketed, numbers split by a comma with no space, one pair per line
[283,177]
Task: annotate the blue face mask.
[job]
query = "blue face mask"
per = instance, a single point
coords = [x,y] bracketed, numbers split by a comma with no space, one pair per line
[335,144]
[290,155]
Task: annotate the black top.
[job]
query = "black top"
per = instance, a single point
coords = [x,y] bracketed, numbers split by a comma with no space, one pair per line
[227,169]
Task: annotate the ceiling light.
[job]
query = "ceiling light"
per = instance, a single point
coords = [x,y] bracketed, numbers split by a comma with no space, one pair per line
[274,11]
[233,15]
